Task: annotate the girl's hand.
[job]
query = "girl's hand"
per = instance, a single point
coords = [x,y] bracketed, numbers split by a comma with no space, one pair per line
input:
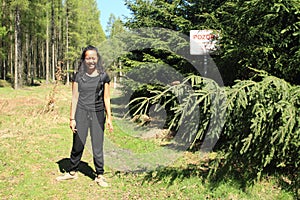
[110,125]
[73,125]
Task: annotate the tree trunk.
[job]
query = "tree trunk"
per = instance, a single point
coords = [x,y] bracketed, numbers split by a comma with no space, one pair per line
[31,60]
[47,51]
[17,48]
[42,60]
[11,47]
[53,62]
[67,43]
[53,40]
[26,64]
[2,69]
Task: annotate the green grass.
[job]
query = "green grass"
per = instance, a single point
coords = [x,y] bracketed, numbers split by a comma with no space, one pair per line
[32,144]
[127,130]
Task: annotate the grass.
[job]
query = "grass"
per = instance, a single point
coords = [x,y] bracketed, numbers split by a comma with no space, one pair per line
[126,130]
[33,146]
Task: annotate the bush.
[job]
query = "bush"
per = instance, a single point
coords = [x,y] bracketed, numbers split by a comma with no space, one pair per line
[257,122]
[262,129]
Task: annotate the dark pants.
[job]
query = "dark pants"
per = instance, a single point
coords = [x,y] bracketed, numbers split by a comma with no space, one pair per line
[93,121]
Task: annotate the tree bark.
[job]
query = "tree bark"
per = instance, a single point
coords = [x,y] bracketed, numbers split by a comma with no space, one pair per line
[67,42]
[11,47]
[2,68]
[53,40]
[47,51]
[26,64]
[17,48]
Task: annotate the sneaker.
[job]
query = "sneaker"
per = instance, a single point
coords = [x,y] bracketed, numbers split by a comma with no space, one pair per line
[67,176]
[100,180]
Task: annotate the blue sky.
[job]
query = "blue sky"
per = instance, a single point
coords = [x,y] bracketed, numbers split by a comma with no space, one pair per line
[107,7]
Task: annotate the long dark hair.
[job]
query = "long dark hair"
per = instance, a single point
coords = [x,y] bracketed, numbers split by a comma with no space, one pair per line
[82,68]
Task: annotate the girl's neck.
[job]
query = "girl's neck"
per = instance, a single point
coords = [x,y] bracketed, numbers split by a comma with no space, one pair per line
[92,73]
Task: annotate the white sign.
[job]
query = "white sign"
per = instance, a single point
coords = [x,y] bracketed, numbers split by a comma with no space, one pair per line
[203,41]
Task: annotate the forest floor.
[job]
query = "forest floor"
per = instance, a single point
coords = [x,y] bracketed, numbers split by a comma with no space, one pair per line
[35,143]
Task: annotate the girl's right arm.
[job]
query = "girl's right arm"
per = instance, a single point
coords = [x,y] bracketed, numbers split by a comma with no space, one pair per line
[75,95]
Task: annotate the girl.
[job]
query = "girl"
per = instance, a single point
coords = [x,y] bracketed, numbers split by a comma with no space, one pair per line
[90,104]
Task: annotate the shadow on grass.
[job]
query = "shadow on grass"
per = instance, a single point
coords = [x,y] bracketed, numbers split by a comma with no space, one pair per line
[233,178]
[119,106]
[84,168]
[172,174]
[245,176]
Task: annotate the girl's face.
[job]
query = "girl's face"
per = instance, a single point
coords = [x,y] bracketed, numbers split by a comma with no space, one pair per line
[91,59]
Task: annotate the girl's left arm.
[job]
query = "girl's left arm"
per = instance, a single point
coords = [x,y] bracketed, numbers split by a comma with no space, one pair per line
[108,107]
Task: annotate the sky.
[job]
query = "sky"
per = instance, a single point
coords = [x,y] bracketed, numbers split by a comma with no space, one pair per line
[107,7]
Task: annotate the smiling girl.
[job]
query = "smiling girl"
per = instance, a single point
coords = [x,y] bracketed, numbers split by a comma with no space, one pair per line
[90,109]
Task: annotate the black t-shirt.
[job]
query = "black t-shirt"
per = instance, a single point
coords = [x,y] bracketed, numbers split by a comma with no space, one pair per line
[89,88]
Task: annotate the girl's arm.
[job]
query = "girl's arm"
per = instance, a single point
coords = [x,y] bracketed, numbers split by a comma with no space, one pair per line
[107,106]
[75,95]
